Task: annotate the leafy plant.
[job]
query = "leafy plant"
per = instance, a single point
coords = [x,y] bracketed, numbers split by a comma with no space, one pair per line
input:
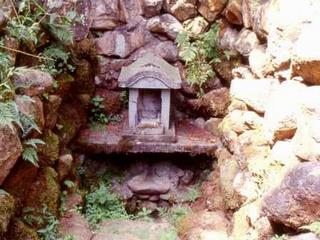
[56,60]
[192,194]
[102,205]
[199,54]
[97,112]
[169,235]
[177,213]
[30,150]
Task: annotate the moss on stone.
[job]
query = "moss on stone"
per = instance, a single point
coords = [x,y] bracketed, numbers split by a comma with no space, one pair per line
[21,231]
[6,210]
[44,192]
[49,153]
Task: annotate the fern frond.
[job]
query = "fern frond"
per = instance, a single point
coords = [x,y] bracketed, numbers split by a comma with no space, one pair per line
[28,124]
[33,142]
[30,154]
[9,114]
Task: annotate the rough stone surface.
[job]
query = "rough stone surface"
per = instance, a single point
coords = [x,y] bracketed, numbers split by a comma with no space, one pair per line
[282,114]
[124,40]
[306,60]
[181,9]
[213,103]
[210,9]
[111,100]
[21,231]
[50,108]
[6,210]
[133,230]
[74,224]
[165,24]
[307,140]
[33,82]
[305,236]
[233,13]
[246,42]
[195,26]
[294,203]
[205,225]
[10,150]
[105,14]
[152,8]
[45,191]
[129,10]
[32,107]
[255,93]
[260,61]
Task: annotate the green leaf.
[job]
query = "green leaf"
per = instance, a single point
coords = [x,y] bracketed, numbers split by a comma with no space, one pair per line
[30,154]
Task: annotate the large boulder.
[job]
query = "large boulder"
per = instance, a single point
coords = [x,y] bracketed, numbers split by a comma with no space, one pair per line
[6,210]
[32,82]
[124,40]
[181,9]
[255,93]
[295,201]
[105,14]
[210,9]
[165,24]
[10,150]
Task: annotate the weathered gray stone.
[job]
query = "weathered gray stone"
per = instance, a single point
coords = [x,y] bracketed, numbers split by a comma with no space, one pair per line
[105,14]
[294,203]
[165,24]
[246,42]
[124,40]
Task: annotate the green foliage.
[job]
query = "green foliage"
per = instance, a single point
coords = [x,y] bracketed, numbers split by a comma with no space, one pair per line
[101,205]
[177,213]
[34,20]
[11,116]
[193,194]
[97,112]
[279,237]
[57,60]
[50,231]
[313,227]
[199,54]
[30,147]
[169,235]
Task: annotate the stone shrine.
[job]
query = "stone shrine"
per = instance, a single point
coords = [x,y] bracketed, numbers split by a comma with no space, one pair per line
[150,80]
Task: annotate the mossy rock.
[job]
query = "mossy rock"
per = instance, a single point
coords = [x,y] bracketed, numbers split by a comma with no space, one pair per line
[44,193]
[6,210]
[49,153]
[21,231]
[84,78]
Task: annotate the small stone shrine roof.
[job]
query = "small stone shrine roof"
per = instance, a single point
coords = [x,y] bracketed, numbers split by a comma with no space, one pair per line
[150,72]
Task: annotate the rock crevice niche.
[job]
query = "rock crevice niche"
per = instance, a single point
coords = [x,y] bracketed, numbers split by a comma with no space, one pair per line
[150,80]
